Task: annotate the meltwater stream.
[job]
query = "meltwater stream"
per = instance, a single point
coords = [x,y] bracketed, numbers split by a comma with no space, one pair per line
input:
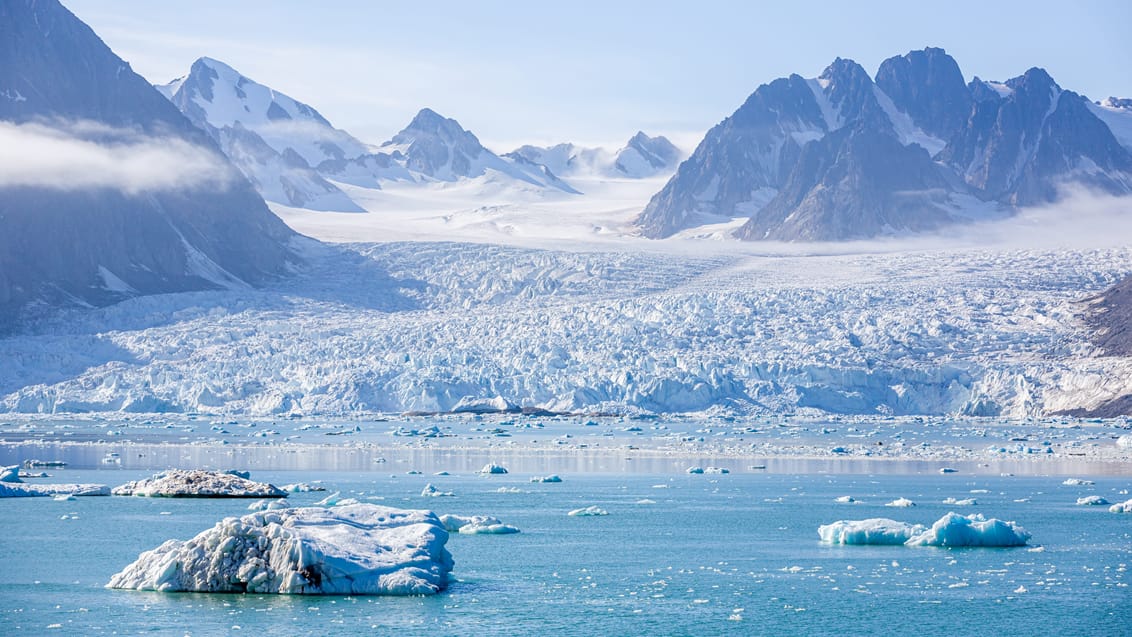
[732,554]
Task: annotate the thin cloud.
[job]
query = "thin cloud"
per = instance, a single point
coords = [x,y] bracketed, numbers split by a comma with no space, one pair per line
[87,155]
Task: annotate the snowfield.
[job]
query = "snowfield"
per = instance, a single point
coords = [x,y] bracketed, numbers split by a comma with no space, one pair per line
[422,326]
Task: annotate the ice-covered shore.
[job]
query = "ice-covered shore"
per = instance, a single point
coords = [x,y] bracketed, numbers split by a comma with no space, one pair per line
[433,326]
[357,549]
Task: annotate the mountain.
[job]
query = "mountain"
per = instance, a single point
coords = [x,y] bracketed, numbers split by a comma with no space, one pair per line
[642,156]
[436,148]
[276,141]
[106,190]
[1116,112]
[292,154]
[844,156]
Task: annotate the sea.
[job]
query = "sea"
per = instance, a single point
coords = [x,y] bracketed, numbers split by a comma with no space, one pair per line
[677,553]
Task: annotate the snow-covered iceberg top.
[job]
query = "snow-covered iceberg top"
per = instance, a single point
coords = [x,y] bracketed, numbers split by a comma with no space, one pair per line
[952,530]
[177,483]
[360,549]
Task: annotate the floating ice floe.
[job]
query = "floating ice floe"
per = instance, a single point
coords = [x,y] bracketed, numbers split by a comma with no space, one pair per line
[952,530]
[1121,507]
[964,502]
[1078,482]
[269,505]
[550,478]
[901,502]
[23,490]
[362,549]
[695,470]
[1092,500]
[476,525]
[846,499]
[302,487]
[588,511]
[493,469]
[948,470]
[177,483]
[717,470]
[871,531]
[431,491]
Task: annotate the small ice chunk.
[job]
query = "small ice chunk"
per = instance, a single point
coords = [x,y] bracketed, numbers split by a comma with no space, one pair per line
[846,499]
[964,502]
[1078,482]
[302,487]
[268,505]
[588,511]
[1092,500]
[430,491]
[493,469]
[545,479]
[363,549]
[901,502]
[476,525]
[64,497]
[717,470]
[872,531]
[948,470]
[695,470]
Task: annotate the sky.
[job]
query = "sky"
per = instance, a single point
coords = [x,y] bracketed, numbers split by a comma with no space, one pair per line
[593,72]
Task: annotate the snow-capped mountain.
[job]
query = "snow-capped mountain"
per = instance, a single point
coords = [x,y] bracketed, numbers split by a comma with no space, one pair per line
[111,192]
[293,154]
[436,148]
[1116,112]
[277,141]
[843,156]
[642,156]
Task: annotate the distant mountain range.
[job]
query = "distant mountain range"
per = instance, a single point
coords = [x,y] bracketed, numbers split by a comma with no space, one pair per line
[293,154]
[107,191]
[846,156]
[642,156]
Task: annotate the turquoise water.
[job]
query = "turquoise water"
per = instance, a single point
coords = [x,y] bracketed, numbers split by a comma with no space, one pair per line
[733,554]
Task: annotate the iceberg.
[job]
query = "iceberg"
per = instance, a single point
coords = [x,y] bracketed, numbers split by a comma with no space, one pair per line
[22,490]
[588,511]
[177,483]
[361,549]
[476,525]
[1092,500]
[10,474]
[954,530]
[901,503]
[493,469]
[269,505]
[873,531]
[1121,507]
[544,479]
[1078,482]
[430,490]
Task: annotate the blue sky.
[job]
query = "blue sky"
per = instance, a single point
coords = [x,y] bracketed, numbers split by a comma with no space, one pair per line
[593,72]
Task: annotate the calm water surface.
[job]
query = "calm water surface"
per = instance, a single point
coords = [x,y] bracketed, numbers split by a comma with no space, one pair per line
[734,554]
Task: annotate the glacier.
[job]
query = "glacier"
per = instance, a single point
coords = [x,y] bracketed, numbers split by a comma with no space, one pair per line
[432,326]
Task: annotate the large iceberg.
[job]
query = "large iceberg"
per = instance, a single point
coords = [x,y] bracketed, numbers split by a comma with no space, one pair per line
[952,530]
[178,483]
[360,549]
[871,531]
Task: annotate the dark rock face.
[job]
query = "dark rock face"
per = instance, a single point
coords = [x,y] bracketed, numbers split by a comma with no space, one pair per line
[57,244]
[843,157]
